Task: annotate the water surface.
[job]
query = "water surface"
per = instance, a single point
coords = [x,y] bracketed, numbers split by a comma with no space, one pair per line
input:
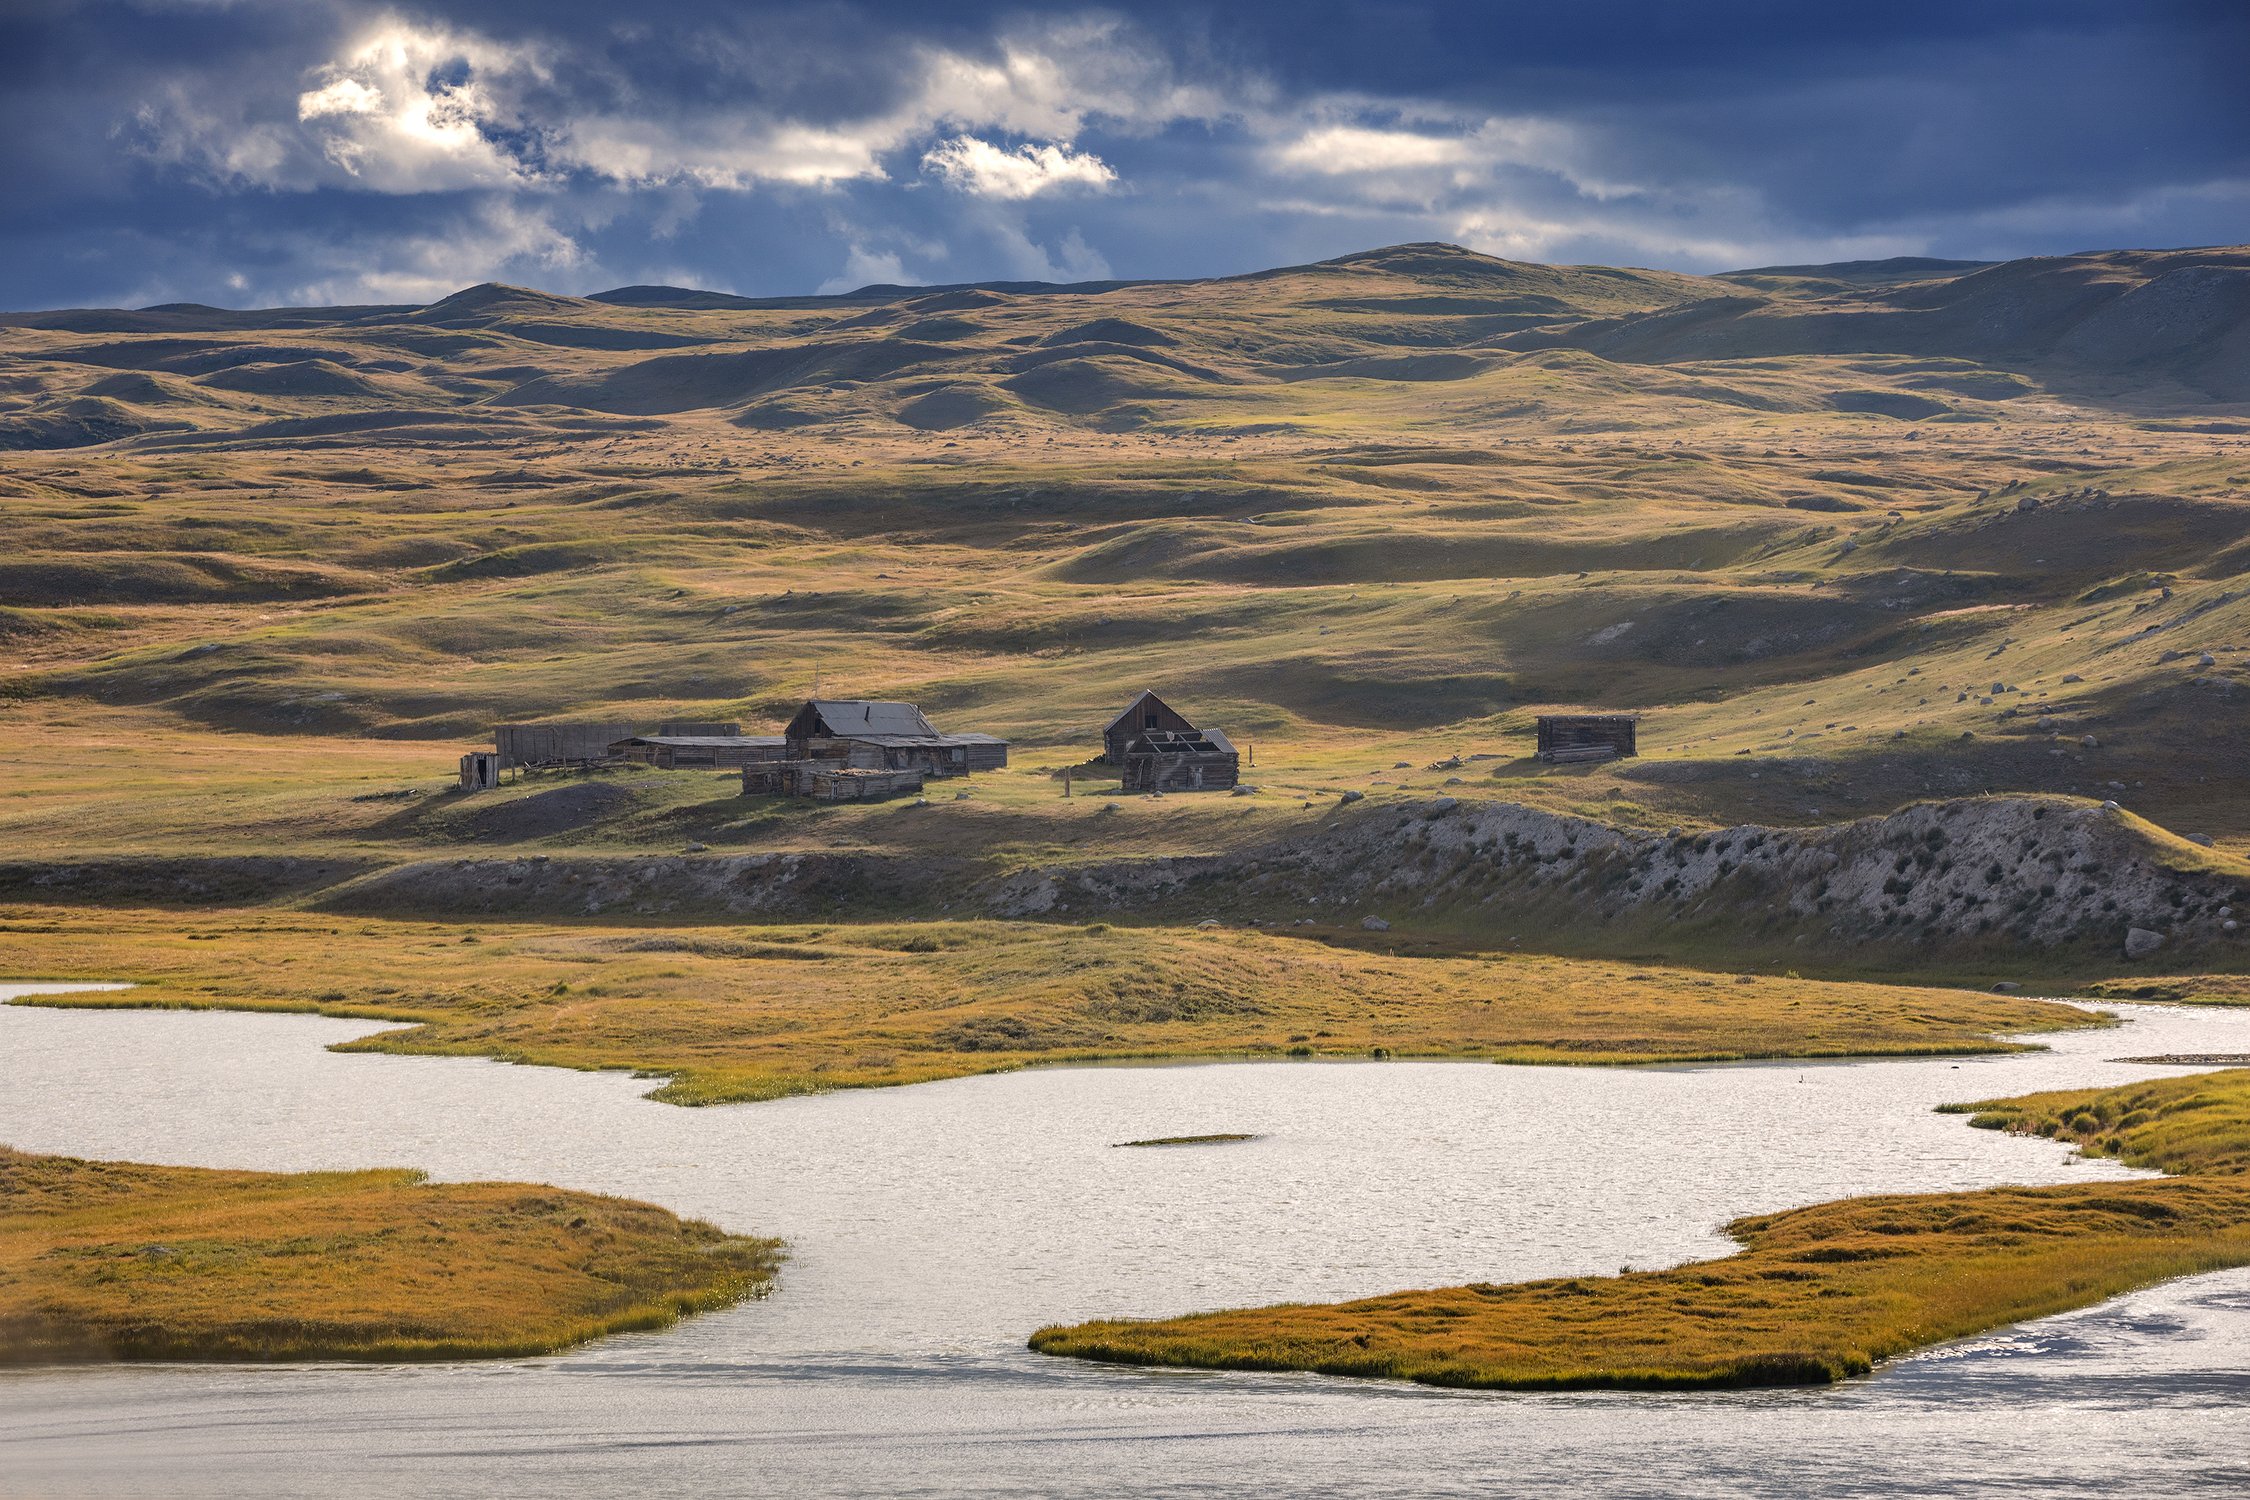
[934,1227]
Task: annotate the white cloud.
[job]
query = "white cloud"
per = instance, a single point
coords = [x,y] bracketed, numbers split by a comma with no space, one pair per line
[1339,150]
[865,267]
[409,110]
[413,108]
[978,166]
[499,241]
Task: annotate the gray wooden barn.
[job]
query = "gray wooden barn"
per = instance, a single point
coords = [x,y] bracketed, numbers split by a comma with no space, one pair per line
[866,734]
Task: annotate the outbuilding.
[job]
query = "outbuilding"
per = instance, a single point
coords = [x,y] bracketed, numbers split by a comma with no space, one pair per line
[1144,714]
[1567,739]
[684,752]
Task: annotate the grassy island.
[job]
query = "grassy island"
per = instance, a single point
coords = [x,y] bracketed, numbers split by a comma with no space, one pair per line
[735,1013]
[116,1260]
[1817,1294]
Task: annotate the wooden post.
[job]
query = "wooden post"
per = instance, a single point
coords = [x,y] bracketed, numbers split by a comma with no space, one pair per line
[1066,779]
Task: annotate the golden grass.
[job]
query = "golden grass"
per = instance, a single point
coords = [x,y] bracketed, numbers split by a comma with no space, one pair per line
[730,1013]
[115,1260]
[1817,1294]
[2197,1125]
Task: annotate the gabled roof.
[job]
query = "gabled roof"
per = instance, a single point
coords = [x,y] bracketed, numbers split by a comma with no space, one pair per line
[1133,707]
[857,716]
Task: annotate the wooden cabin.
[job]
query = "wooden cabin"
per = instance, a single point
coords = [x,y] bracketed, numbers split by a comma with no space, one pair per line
[1569,739]
[1163,760]
[686,752]
[480,770]
[865,734]
[1145,713]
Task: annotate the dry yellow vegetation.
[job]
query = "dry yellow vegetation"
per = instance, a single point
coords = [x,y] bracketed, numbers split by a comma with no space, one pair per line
[116,1260]
[734,1013]
[1817,1294]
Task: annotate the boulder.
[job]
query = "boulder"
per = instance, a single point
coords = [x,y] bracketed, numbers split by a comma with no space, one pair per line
[2140,942]
[1377,924]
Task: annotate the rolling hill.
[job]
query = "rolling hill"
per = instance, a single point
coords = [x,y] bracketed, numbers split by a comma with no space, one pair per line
[1849,537]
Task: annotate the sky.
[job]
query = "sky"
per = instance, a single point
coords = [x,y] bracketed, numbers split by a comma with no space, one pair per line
[295,152]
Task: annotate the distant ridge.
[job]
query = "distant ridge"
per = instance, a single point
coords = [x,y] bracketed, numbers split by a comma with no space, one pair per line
[1896,268]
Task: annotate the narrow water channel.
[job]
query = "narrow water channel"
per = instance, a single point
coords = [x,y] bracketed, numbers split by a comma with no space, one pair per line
[934,1227]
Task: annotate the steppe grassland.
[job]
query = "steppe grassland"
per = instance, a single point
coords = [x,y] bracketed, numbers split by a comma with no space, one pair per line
[1303,630]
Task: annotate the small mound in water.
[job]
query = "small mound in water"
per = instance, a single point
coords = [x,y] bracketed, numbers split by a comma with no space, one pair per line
[1187,1140]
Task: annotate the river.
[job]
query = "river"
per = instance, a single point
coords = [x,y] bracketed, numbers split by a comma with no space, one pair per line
[933,1227]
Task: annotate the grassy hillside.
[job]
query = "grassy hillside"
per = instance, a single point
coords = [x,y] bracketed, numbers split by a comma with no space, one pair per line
[269,573]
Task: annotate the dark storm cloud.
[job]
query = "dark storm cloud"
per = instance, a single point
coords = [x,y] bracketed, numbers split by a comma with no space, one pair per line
[288,150]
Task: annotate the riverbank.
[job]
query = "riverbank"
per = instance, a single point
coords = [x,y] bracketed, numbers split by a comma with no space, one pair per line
[117,1260]
[733,1013]
[1818,1294]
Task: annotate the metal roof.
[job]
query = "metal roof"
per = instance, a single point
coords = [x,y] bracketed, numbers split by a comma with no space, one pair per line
[867,716]
[704,741]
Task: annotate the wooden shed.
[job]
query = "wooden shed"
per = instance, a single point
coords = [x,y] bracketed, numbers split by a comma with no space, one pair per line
[1145,713]
[558,742]
[480,770]
[684,752]
[1162,760]
[1567,739]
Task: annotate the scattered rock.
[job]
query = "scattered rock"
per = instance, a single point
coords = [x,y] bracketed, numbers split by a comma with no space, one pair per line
[2006,987]
[2028,503]
[2140,942]
[1352,797]
[1444,805]
[2089,741]
[2198,838]
[697,848]
[1245,790]
[1377,924]
[2207,660]
[2072,677]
